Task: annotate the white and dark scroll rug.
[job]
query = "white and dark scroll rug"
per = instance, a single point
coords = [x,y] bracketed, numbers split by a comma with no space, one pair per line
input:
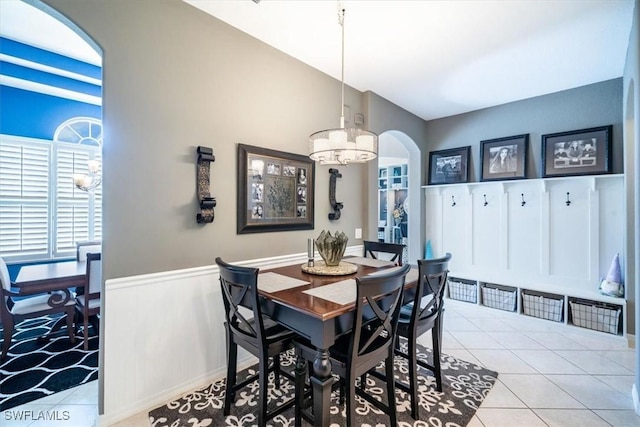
[465,386]
[32,370]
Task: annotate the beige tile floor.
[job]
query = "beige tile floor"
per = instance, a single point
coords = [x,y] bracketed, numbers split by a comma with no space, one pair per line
[549,374]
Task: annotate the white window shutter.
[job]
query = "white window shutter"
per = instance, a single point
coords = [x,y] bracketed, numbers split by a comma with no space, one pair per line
[24,198]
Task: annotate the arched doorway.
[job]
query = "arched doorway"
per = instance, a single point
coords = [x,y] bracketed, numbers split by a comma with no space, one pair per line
[55,75]
[399,161]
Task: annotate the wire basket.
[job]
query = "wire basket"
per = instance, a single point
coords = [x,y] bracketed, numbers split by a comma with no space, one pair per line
[596,315]
[463,290]
[542,305]
[500,297]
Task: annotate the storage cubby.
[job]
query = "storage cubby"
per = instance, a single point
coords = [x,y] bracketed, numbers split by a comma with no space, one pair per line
[551,239]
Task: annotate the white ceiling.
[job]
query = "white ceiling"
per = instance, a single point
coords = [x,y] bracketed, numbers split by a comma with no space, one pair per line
[433,58]
[27,24]
[440,58]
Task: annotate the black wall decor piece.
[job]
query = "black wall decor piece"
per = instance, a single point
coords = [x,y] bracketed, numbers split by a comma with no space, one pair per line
[336,206]
[207,203]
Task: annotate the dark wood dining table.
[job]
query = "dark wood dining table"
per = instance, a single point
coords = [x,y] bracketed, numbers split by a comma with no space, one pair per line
[57,278]
[317,319]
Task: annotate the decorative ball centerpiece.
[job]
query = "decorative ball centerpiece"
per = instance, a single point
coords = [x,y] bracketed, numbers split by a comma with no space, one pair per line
[331,249]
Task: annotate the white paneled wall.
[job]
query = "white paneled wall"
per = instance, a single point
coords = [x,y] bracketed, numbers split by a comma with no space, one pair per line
[164,335]
[556,235]
[543,244]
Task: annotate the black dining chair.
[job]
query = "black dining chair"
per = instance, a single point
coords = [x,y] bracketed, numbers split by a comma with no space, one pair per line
[88,302]
[259,335]
[372,337]
[372,249]
[422,314]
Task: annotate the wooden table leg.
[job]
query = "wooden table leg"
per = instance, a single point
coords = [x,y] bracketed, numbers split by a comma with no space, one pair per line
[322,383]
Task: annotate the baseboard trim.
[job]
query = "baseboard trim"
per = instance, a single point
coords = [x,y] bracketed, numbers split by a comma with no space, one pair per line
[631,340]
[168,395]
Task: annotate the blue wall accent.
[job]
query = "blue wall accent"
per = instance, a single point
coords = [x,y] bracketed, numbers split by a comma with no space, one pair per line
[36,115]
[37,76]
[40,56]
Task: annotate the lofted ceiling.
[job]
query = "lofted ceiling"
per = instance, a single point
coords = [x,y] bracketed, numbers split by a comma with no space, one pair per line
[441,58]
[433,58]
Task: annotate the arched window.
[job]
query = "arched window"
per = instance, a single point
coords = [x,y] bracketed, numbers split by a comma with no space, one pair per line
[78,213]
[42,213]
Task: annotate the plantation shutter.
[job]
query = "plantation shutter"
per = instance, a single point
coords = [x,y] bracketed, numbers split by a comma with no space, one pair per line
[72,220]
[24,198]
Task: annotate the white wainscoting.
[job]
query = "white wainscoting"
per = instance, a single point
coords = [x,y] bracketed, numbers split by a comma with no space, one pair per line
[544,243]
[555,235]
[164,335]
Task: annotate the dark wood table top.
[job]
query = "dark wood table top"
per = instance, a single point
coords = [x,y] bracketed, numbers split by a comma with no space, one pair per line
[39,278]
[309,304]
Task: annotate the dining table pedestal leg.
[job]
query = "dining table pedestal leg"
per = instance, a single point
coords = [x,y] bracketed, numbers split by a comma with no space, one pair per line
[322,383]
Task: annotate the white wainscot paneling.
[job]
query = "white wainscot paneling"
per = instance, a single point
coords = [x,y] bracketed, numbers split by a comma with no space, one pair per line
[523,230]
[449,224]
[545,244]
[488,227]
[569,228]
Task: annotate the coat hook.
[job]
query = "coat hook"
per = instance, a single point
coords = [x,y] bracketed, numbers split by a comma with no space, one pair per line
[568,202]
[523,202]
[453,201]
[485,199]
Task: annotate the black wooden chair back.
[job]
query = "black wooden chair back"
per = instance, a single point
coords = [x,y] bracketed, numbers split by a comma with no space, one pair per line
[379,298]
[423,316]
[432,280]
[260,336]
[88,301]
[372,249]
[240,289]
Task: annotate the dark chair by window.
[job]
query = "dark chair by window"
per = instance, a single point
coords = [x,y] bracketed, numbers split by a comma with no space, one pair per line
[12,312]
[424,313]
[88,303]
[83,248]
[379,298]
[372,249]
[259,335]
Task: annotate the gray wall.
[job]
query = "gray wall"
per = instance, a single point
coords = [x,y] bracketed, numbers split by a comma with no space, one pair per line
[588,106]
[176,78]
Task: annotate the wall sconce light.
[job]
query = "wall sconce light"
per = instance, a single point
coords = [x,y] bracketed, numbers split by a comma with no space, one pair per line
[88,182]
[206,202]
[336,206]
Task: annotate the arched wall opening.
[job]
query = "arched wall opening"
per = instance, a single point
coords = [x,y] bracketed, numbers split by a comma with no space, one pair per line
[92,49]
[393,141]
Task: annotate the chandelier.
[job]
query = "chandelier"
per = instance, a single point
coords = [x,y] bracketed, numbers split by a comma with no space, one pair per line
[342,146]
[88,182]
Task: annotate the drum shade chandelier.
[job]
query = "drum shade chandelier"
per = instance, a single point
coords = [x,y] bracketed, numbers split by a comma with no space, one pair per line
[342,146]
[88,182]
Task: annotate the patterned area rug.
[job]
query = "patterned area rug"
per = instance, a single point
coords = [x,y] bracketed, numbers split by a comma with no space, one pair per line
[32,371]
[465,386]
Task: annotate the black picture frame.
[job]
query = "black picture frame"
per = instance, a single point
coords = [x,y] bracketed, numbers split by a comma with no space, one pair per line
[577,152]
[275,190]
[504,158]
[449,166]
